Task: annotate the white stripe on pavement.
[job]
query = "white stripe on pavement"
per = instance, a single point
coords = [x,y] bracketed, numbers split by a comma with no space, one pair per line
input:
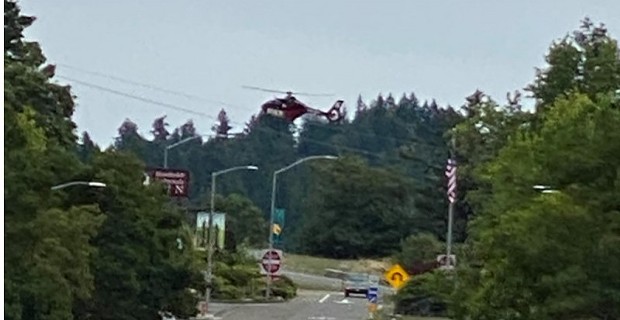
[324,298]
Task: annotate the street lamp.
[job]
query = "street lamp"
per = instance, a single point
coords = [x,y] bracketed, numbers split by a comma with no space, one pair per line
[273,204]
[94,184]
[541,187]
[210,234]
[176,144]
[545,189]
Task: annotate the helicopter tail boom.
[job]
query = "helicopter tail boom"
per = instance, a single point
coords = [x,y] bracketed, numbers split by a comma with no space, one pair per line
[335,113]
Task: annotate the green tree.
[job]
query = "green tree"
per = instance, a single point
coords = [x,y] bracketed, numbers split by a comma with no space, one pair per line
[550,256]
[27,80]
[245,223]
[139,267]
[47,235]
[588,61]
[356,211]
[418,248]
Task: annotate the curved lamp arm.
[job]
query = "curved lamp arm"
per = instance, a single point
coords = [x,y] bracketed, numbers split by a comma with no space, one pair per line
[94,184]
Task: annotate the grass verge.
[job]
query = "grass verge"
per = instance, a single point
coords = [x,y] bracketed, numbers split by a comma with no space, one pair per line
[317,266]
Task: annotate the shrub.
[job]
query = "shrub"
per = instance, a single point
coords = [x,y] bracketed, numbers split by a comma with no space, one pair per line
[282,287]
[419,248]
[424,295]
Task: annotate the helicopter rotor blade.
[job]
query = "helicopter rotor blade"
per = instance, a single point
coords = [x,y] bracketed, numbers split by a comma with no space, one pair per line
[291,92]
[263,89]
[314,94]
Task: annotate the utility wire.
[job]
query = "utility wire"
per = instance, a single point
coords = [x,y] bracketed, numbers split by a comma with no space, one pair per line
[146,85]
[199,98]
[131,96]
[202,114]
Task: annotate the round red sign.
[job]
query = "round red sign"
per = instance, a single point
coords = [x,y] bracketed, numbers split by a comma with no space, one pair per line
[271,261]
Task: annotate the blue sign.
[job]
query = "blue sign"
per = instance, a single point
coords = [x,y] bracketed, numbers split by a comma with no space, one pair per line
[372,299]
[373,294]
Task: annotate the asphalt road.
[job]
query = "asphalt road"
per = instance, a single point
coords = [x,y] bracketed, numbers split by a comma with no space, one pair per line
[308,305]
[305,280]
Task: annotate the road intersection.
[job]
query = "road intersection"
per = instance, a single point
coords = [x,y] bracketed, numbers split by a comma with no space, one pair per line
[308,305]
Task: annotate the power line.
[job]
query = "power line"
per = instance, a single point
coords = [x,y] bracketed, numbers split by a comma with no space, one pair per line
[131,96]
[195,97]
[146,85]
[202,114]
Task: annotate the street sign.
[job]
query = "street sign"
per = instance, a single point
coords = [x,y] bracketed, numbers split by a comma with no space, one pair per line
[373,294]
[271,262]
[277,229]
[396,276]
[278,226]
[202,229]
[443,261]
[177,180]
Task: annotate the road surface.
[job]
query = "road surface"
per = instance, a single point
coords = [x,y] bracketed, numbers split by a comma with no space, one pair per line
[311,281]
[306,280]
[308,305]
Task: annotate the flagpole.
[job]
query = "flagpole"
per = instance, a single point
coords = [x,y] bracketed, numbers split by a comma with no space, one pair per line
[451,174]
[449,238]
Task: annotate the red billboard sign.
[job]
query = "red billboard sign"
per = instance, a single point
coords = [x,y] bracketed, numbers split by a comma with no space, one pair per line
[177,180]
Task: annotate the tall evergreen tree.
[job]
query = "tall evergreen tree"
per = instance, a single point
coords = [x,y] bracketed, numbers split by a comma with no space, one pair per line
[222,128]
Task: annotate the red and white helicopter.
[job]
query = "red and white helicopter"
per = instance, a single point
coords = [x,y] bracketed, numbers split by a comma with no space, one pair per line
[290,108]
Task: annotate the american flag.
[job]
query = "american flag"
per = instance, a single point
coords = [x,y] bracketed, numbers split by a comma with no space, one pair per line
[451,174]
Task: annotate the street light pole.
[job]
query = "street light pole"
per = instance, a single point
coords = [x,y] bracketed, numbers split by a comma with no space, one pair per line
[273,204]
[210,236]
[175,145]
[94,184]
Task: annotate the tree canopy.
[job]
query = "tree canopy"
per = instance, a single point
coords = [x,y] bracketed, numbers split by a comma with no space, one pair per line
[77,252]
[125,251]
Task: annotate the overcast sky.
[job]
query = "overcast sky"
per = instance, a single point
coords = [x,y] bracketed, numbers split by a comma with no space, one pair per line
[437,49]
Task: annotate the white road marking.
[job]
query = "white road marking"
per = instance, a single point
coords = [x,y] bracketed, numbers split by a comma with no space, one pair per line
[344,301]
[324,298]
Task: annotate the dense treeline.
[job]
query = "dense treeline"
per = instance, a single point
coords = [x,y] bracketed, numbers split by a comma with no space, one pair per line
[405,138]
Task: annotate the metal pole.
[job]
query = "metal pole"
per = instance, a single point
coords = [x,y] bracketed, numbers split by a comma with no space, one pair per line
[273,205]
[210,236]
[210,244]
[166,158]
[449,238]
[450,211]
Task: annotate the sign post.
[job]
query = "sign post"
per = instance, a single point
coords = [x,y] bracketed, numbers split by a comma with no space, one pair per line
[397,276]
[445,263]
[373,298]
